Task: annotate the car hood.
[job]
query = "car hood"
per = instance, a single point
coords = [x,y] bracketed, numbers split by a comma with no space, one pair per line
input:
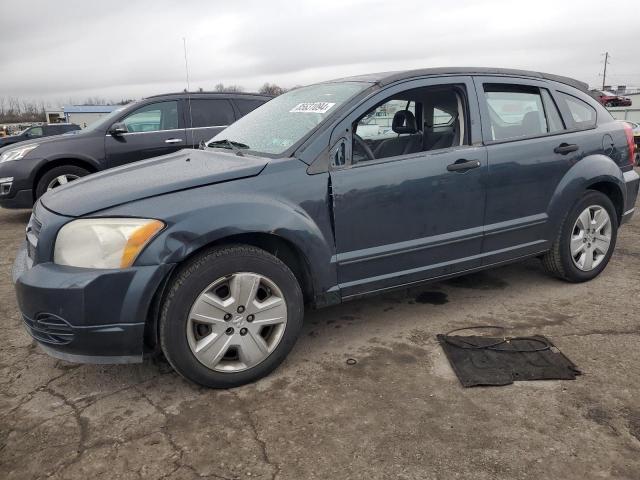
[148,178]
[41,141]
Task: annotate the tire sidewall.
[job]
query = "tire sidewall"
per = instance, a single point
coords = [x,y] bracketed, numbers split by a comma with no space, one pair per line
[43,183]
[174,316]
[572,271]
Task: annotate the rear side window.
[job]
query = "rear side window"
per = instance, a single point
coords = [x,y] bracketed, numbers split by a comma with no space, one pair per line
[515,111]
[582,114]
[247,105]
[209,113]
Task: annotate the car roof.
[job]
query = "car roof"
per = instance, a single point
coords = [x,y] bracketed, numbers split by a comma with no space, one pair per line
[385,78]
[213,94]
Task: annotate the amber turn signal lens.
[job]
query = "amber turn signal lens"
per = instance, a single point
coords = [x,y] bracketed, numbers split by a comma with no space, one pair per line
[137,241]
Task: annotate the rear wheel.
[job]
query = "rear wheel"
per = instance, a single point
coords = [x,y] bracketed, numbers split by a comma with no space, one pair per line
[586,240]
[59,176]
[231,316]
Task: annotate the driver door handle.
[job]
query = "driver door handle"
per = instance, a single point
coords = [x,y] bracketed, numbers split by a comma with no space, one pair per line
[463,165]
[173,140]
[565,148]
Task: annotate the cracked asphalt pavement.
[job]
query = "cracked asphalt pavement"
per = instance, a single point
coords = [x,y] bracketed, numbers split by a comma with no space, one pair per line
[398,413]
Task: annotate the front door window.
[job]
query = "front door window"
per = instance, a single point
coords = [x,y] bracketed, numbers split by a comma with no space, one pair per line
[153,118]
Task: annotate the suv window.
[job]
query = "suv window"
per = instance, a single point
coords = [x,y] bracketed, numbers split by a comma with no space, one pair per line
[153,117]
[246,105]
[418,120]
[520,111]
[35,132]
[209,112]
[583,115]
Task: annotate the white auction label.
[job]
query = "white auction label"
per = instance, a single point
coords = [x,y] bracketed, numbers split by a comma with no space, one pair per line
[312,107]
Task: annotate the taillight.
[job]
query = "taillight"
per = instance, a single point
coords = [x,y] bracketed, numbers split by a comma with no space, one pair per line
[632,146]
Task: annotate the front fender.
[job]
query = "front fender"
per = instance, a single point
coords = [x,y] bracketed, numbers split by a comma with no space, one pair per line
[198,217]
[583,174]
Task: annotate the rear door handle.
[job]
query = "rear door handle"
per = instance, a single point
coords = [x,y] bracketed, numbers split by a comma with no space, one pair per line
[463,165]
[173,140]
[565,148]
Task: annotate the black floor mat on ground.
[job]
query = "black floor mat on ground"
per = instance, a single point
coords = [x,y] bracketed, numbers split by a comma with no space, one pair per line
[475,364]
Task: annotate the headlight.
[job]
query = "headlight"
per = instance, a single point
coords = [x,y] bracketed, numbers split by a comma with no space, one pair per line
[16,153]
[104,242]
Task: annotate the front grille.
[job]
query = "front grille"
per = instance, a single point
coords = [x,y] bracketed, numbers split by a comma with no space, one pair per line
[49,328]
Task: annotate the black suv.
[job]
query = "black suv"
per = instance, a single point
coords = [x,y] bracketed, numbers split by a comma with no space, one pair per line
[39,131]
[154,126]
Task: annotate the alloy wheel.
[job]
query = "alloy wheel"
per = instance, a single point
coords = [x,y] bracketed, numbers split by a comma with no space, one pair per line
[61,180]
[591,238]
[236,322]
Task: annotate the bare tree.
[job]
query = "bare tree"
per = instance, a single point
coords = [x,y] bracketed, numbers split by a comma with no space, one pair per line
[271,89]
[221,87]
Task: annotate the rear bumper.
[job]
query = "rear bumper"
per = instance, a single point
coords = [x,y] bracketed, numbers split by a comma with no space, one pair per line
[632,183]
[86,315]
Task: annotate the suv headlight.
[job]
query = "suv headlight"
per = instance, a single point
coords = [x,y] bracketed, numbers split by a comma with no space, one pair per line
[104,242]
[16,153]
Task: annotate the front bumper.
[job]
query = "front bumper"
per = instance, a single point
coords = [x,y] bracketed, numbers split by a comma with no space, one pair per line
[19,192]
[86,315]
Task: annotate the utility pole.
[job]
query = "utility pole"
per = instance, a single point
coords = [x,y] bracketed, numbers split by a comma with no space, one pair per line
[604,75]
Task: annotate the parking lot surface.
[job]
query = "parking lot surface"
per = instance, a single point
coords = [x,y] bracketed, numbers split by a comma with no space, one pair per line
[398,413]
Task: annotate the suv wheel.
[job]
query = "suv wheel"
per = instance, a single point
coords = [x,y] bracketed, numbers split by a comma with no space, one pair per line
[230,316]
[586,240]
[59,176]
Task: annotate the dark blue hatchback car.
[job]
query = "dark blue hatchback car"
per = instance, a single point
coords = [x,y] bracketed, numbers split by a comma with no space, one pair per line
[326,193]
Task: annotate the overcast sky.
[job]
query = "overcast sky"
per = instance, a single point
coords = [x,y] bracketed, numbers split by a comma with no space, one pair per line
[56,50]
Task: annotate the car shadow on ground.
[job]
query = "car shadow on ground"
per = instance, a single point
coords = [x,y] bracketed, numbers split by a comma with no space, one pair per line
[16,217]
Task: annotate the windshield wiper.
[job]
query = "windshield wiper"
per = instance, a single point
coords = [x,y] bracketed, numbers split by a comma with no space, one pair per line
[229,144]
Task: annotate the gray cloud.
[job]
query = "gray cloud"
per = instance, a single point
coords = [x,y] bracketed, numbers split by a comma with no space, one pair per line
[57,50]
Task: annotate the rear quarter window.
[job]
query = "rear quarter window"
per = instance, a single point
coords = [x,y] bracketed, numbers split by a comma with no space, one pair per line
[247,105]
[581,114]
[209,113]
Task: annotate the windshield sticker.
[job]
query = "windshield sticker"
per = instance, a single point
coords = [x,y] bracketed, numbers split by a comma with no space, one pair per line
[312,107]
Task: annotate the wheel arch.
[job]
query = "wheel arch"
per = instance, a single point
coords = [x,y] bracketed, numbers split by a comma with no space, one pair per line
[614,192]
[593,172]
[59,162]
[281,248]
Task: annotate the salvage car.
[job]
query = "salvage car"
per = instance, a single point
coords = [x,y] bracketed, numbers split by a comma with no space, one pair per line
[210,256]
[610,99]
[147,128]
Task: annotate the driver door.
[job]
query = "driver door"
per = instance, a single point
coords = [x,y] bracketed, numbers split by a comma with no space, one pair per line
[152,130]
[404,213]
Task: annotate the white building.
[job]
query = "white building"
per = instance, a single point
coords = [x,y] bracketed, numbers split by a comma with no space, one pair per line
[84,115]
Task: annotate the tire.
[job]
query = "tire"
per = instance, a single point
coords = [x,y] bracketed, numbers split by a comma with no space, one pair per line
[200,284]
[559,260]
[71,172]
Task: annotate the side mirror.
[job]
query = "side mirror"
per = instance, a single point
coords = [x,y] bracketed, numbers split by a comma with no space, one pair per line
[118,128]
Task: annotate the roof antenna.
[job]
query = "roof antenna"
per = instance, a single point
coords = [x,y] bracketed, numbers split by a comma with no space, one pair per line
[186,68]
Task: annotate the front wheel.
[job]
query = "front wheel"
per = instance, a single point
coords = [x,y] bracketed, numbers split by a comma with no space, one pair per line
[231,316]
[59,176]
[586,240]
